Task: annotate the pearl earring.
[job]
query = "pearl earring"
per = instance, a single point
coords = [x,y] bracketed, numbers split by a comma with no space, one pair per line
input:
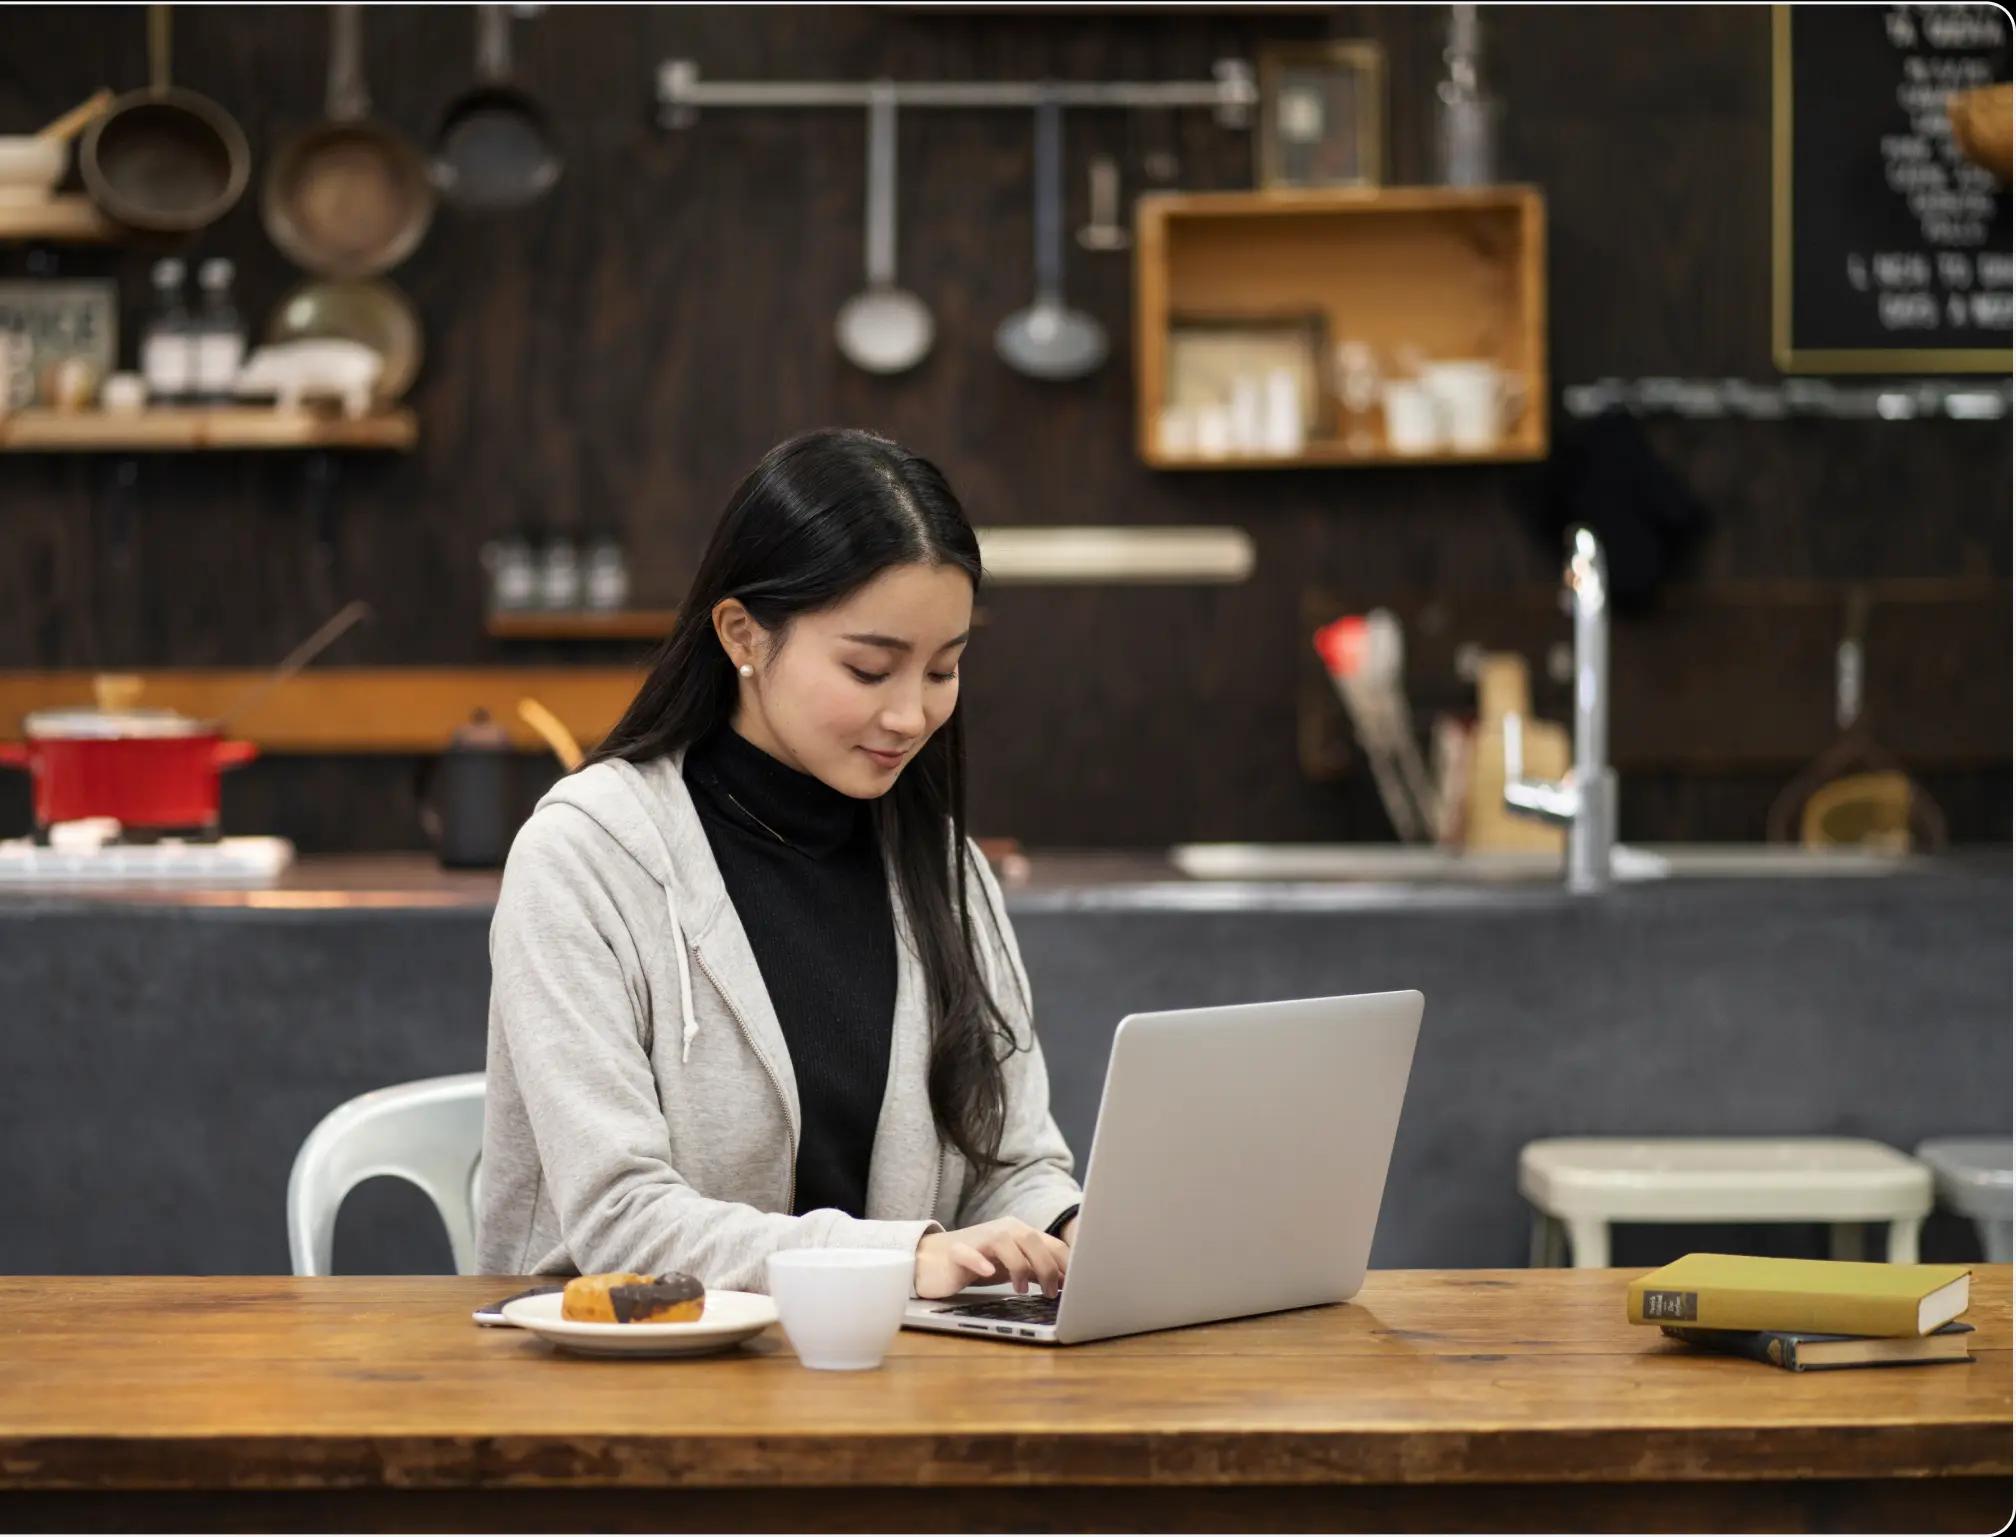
[747,671]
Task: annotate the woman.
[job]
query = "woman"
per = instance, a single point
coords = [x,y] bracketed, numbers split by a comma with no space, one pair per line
[740,999]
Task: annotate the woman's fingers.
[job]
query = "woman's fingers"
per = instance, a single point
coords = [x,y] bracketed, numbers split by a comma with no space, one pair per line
[1047,1257]
[973,1259]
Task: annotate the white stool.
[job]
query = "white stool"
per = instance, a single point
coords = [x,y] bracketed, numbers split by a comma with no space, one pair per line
[1971,1175]
[1578,1186]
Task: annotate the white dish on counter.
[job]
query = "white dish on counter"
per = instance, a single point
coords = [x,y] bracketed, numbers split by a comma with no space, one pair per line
[237,861]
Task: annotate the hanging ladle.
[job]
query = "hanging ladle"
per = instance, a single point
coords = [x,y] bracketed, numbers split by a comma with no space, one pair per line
[883,329]
[1049,340]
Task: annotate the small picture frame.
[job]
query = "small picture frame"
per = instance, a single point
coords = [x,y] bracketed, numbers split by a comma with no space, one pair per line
[1322,115]
[1207,356]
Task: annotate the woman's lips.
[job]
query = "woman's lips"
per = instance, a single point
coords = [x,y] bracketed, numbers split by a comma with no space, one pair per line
[886,759]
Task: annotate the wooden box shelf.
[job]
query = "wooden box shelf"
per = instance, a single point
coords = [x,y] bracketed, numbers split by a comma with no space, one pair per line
[1457,272]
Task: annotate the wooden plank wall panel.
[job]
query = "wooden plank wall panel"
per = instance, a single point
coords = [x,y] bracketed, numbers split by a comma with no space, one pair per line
[629,347]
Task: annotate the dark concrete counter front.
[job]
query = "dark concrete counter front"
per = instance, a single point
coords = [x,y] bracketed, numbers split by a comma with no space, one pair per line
[164,1052]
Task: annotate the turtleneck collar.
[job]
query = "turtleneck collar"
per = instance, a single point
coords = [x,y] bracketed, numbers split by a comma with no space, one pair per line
[808,813]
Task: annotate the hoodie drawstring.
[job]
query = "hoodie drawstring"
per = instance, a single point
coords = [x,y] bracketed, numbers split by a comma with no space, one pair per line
[689,1023]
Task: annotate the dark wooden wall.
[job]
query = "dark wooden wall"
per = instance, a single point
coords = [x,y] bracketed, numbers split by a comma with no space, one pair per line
[626,349]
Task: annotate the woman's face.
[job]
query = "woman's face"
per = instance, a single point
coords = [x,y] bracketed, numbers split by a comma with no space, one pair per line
[879,671]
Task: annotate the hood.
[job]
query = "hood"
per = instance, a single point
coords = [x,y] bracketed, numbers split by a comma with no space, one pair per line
[649,811]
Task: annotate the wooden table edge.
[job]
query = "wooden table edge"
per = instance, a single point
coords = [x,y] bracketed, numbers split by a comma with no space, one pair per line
[1627,1454]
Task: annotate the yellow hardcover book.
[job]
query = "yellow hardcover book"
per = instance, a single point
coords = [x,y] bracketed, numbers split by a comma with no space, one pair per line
[1814,1296]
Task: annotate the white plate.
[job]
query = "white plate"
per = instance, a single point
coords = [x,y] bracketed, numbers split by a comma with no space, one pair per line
[728,1319]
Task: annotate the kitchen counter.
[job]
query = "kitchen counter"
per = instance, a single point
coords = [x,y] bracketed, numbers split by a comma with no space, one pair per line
[1431,1401]
[1385,875]
[157,1038]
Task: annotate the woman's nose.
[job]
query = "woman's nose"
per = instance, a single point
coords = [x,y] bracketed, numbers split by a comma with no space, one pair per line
[905,718]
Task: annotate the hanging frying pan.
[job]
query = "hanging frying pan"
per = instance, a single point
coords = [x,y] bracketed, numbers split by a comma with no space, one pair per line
[494,149]
[349,197]
[164,158]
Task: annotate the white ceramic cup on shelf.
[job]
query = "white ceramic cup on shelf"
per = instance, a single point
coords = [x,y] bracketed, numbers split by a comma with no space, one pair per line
[1477,400]
[840,1308]
[1413,417]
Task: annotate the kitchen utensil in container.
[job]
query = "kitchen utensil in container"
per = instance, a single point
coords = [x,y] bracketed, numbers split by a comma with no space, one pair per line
[495,148]
[553,731]
[883,329]
[349,197]
[164,158]
[61,130]
[1047,339]
[332,630]
[1362,653]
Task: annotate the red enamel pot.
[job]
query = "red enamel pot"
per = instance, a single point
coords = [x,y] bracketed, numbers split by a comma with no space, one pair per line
[153,769]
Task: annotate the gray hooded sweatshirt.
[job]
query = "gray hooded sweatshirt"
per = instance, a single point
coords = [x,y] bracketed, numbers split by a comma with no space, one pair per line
[641,1112]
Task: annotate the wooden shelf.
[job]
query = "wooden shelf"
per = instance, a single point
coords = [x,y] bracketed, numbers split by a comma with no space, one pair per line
[190,428]
[71,220]
[1457,272]
[357,709]
[621,624]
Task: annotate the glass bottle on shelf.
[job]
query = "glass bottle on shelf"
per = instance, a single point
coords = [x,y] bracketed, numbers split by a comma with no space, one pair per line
[605,573]
[559,573]
[220,334]
[1466,116]
[514,574]
[167,342]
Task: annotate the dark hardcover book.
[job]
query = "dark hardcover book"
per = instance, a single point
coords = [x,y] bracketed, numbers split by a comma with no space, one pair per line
[1818,1352]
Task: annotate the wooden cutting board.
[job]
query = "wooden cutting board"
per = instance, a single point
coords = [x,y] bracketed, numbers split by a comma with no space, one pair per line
[1503,688]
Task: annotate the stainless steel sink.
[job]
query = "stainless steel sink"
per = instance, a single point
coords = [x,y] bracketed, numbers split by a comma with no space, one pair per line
[1416,862]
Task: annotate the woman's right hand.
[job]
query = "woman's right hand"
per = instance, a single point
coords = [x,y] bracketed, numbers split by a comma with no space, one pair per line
[1005,1249]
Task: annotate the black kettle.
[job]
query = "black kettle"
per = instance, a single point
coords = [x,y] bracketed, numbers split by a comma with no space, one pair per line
[468,797]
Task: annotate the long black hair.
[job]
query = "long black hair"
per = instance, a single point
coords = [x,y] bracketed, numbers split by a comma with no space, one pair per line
[823,515]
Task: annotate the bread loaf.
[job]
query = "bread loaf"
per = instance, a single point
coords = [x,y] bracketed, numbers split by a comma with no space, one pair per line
[625,1297]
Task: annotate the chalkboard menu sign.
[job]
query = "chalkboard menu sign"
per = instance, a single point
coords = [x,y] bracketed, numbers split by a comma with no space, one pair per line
[1890,248]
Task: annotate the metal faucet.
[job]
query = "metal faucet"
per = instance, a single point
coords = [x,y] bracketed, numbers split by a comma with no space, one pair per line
[1585,801]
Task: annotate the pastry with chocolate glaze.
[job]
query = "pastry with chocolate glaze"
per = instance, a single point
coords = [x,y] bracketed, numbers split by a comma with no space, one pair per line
[625,1297]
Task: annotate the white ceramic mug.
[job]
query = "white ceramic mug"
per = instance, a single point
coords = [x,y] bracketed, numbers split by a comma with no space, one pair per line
[1413,419]
[1477,400]
[840,1308]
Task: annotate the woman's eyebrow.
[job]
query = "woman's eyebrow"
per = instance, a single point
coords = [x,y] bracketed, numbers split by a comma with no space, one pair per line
[891,643]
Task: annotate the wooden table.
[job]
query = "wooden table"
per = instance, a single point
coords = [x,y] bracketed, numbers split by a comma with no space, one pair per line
[1468,1399]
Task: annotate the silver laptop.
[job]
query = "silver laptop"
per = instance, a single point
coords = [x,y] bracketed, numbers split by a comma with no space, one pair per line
[1236,1168]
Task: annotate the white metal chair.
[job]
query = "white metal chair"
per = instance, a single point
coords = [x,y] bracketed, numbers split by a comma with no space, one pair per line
[428,1132]
[1973,1178]
[1578,1186]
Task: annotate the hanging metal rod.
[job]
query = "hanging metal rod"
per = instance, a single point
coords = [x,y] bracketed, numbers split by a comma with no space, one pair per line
[1230,93]
[1969,400]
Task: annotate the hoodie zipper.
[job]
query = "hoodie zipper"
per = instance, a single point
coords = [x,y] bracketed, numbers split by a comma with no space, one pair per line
[791,1194]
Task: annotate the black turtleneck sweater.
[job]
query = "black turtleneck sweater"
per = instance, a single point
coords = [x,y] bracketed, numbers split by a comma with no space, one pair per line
[814,902]
[813,899]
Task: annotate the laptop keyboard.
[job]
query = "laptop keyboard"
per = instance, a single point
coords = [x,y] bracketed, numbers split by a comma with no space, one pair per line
[1032,1308]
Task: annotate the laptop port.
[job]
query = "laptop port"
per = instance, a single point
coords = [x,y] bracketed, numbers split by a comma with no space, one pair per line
[1003,1329]
[1030,1332]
